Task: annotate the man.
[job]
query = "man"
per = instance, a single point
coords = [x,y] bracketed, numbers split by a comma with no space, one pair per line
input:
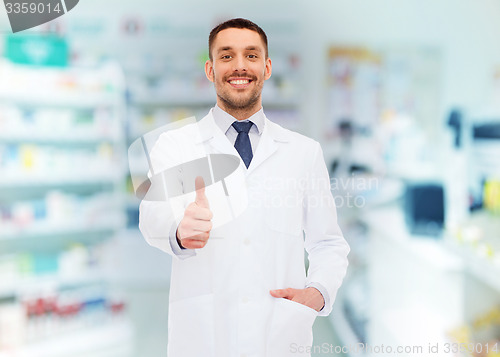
[241,289]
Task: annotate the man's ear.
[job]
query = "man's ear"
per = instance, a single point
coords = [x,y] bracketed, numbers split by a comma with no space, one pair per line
[209,70]
[268,70]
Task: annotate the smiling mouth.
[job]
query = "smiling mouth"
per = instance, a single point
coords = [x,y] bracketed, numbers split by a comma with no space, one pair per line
[240,82]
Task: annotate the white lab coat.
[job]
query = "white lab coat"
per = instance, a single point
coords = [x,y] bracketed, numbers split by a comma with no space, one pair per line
[220,304]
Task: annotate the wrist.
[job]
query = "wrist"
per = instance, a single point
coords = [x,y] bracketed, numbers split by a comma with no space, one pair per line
[321,295]
[178,240]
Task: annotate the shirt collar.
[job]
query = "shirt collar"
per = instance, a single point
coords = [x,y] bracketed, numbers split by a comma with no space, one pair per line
[224,120]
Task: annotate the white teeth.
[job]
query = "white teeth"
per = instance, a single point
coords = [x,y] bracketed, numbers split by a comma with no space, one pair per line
[239,81]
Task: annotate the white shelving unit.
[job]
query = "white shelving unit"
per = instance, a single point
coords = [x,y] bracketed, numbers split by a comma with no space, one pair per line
[404,270]
[480,267]
[43,230]
[109,340]
[421,289]
[63,165]
[15,287]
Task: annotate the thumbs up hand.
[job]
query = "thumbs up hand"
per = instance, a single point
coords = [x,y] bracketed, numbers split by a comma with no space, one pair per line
[201,199]
[194,229]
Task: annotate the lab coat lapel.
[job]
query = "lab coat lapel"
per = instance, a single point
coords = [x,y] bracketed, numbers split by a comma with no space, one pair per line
[213,137]
[272,135]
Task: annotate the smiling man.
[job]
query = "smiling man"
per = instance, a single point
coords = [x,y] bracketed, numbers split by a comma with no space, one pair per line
[248,294]
[241,58]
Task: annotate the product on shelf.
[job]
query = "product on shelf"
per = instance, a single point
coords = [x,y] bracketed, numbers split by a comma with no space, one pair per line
[59,211]
[480,338]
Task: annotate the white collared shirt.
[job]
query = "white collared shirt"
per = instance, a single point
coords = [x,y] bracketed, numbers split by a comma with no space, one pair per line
[225,120]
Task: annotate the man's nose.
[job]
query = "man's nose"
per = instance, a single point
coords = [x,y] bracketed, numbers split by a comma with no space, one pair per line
[240,64]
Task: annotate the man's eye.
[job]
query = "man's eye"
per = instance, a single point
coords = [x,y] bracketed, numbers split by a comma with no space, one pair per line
[252,56]
[226,57]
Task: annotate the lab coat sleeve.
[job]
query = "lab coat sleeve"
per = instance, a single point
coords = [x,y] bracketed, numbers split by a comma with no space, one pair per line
[323,292]
[157,222]
[324,241]
[158,226]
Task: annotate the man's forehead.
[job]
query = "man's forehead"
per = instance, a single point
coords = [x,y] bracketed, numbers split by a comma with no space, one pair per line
[235,38]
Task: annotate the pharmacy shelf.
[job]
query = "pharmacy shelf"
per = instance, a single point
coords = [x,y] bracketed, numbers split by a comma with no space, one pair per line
[482,268]
[431,251]
[13,287]
[113,339]
[421,328]
[60,100]
[53,230]
[29,176]
[81,137]
[31,180]
[401,267]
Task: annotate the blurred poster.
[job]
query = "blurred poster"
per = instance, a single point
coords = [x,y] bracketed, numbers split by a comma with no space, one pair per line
[354,94]
[367,86]
[411,87]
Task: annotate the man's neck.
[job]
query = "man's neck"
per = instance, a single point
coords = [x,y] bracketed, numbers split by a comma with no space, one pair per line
[239,113]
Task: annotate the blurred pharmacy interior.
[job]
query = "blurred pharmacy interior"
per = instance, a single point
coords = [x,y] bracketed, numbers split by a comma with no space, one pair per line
[404,96]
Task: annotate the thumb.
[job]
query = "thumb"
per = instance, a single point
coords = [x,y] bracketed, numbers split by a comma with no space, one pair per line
[282,293]
[201,199]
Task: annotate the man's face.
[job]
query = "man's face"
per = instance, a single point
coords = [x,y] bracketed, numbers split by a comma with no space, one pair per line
[238,68]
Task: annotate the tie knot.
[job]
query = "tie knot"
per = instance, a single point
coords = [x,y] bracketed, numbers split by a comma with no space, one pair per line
[242,126]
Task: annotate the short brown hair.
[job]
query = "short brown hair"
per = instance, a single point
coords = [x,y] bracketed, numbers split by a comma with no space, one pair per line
[237,23]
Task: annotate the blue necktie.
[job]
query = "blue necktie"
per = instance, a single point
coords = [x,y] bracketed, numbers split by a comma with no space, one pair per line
[242,143]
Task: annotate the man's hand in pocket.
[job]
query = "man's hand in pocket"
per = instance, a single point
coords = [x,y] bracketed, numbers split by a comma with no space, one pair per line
[311,297]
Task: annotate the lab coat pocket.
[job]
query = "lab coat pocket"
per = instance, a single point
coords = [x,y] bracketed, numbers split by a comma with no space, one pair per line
[290,332]
[285,217]
[191,327]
